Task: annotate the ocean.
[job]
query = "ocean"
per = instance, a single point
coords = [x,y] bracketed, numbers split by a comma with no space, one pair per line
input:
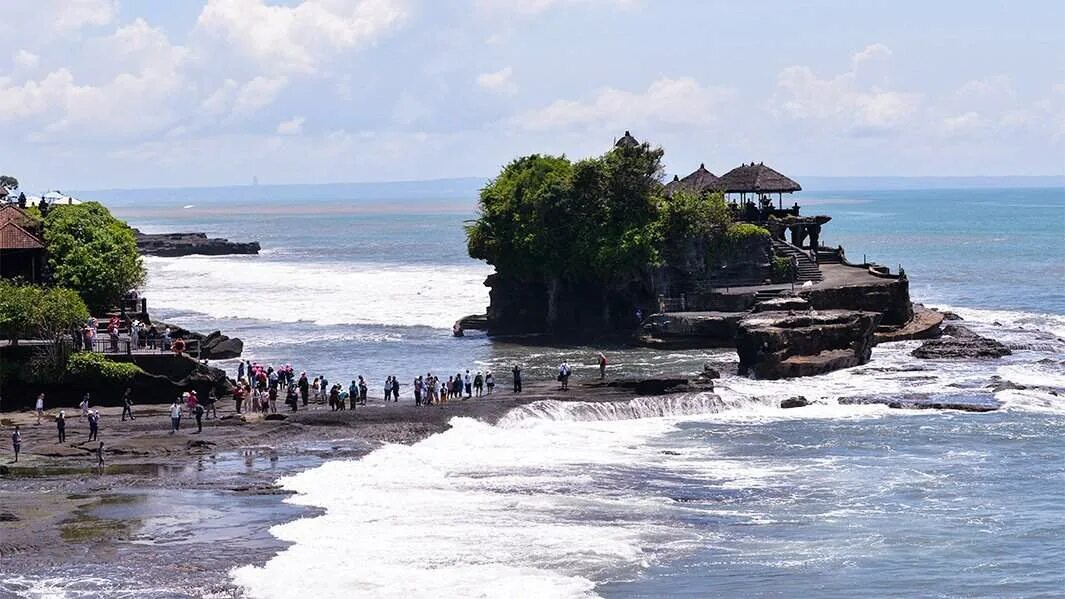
[736,498]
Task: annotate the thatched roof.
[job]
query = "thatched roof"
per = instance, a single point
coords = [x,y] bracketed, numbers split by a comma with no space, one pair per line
[700,181]
[626,141]
[14,237]
[669,187]
[757,178]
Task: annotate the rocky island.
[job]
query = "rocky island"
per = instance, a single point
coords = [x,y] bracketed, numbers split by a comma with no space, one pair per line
[601,248]
[187,244]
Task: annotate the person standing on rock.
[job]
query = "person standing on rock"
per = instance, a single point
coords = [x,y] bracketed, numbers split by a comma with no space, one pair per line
[489,381]
[16,441]
[127,404]
[467,382]
[305,388]
[478,383]
[94,425]
[240,370]
[84,405]
[388,388]
[175,417]
[40,407]
[602,366]
[100,455]
[198,412]
[363,390]
[238,394]
[61,426]
[517,378]
[395,388]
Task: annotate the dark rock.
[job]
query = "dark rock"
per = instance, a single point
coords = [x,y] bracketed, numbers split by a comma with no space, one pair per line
[891,298]
[275,417]
[690,330]
[8,517]
[224,350]
[774,345]
[962,344]
[976,402]
[948,315]
[186,244]
[925,324]
[710,372]
[795,402]
[958,331]
[663,385]
[1000,384]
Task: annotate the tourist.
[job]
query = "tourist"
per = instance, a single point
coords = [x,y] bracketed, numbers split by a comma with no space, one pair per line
[417,391]
[240,370]
[334,397]
[16,441]
[198,412]
[292,398]
[100,455]
[127,404]
[40,407]
[602,366]
[94,425]
[88,335]
[489,381]
[325,388]
[305,388]
[212,407]
[478,383]
[363,390]
[395,389]
[61,426]
[516,371]
[238,394]
[112,332]
[468,384]
[166,339]
[444,388]
[175,416]
[84,406]
[151,337]
[272,395]
[563,376]
[388,388]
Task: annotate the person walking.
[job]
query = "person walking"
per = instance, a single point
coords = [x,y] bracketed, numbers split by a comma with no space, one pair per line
[363,390]
[198,412]
[240,370]
[395,389]
[61,426]
[478,383]
[602,366]
[100,455]
[516,371]
[388,388]
[94,425]
[292,398]
[16,441]
[467,382]
[175,416]
[40,407]
[238,394]
[84,405]
[489,381]
[127,404]
[211,409]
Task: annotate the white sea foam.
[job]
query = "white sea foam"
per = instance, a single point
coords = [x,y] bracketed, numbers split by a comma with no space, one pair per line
[320,293]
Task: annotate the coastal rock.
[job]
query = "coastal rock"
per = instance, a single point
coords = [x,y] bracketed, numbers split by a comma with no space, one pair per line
[975,402]
[1000,384]
[664,385]
[773,345]
[925,324]
[783,304]
[690,330]
[710,372]
[795,402]
[187,244]
[891,298]
[961,343]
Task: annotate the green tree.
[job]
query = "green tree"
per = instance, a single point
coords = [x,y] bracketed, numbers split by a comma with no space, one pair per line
[93,253]
[18,310]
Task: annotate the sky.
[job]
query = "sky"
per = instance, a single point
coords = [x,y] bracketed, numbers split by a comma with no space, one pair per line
[151,93]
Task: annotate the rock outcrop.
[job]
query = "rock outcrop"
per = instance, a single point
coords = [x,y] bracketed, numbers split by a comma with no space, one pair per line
[925,324]
[689,330]
[783,304]
[973,402]
[217,346]
[890,297]
[960,344]
[795,402]
[186,244]
[773,345]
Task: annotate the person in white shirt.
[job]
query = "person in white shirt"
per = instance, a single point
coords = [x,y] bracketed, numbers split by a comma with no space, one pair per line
[175,416]
[40,407]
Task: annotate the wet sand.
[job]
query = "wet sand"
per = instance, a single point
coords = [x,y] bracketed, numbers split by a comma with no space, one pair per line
[191,505]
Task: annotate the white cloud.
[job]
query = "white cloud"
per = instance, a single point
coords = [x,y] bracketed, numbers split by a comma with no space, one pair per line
[870,53]
[71,15]
[293,126]
[965,124]
[297,39]
[535,7]
[802,95]
[241,99]
[683,101]
[25,59]
[500,81]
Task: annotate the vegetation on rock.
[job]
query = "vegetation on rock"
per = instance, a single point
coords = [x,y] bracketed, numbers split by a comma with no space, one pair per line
[91,368]
[45,313]
[93,253]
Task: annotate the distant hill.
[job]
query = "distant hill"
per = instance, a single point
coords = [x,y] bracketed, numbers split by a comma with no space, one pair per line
[814,183]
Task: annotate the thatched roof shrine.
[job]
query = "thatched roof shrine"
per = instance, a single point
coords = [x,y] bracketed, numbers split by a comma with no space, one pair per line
[757,178]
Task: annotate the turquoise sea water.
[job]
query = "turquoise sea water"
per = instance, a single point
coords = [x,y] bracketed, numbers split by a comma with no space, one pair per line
[730,499]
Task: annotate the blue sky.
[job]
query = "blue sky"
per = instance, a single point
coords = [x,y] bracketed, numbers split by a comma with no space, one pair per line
[143,93]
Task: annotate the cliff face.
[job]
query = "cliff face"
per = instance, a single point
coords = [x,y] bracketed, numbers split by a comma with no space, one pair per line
[890,298]
[186,244]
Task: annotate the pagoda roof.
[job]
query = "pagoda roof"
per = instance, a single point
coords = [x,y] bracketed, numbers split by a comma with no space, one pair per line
[757,178]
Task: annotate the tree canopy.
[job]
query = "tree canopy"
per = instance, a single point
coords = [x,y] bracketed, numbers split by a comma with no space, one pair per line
[93,253]
[548,217]
[46,313]
[8,182]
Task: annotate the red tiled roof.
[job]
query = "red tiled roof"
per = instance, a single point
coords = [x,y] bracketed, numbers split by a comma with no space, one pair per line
[14,237]
[11,213]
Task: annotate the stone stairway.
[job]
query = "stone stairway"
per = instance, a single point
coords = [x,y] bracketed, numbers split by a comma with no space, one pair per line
[807,268]
[828,256]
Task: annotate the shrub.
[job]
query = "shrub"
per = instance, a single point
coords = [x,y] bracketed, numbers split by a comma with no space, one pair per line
[91,368]
[781,272]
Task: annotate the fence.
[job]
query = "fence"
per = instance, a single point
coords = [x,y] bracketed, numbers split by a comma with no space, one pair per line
[124,345]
